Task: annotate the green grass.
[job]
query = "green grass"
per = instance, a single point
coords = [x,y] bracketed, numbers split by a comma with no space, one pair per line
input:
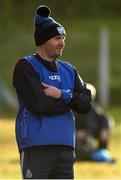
[9,156]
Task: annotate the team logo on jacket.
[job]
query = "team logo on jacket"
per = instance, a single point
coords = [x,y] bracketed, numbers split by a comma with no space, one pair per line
[55,77]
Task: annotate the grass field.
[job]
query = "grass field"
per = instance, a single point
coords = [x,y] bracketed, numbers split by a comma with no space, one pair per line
[9,157]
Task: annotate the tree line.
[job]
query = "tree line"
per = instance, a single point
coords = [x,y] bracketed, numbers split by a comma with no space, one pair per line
[63,8]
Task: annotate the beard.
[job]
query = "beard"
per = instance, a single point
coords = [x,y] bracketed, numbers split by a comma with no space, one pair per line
[54,53]
[58,53]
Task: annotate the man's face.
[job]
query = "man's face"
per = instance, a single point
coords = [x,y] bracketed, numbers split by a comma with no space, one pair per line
[53,47]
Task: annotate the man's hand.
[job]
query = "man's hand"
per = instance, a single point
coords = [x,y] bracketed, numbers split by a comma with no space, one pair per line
[51,91]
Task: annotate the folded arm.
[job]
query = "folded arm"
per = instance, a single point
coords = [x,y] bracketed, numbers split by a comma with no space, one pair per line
[81,101]
[30,88]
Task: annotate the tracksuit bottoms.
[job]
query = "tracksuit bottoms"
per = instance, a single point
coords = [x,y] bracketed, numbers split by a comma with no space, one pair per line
[47,162]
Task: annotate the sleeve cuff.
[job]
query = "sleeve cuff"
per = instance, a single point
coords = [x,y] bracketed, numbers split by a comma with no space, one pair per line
[66,95]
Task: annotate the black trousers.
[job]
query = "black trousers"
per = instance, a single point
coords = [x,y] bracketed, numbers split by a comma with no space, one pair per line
[47,162]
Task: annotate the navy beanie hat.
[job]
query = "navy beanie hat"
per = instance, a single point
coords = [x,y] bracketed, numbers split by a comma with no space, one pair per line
[45,26]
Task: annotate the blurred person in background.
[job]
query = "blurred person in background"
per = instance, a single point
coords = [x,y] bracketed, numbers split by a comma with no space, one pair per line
[48,89]
[93,132]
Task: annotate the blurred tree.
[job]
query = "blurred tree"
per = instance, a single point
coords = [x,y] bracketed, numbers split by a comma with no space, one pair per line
[63,8]
[6,9]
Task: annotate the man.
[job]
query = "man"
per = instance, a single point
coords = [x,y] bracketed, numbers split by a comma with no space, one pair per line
[93,132]
[48,89]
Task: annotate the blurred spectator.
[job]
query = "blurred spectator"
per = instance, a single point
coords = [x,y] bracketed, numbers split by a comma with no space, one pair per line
[93,133]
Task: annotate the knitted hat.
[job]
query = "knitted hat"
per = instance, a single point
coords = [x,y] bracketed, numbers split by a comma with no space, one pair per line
[45,26]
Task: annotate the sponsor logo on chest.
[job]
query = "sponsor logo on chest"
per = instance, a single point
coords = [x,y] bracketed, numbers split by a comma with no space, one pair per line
[54,77]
